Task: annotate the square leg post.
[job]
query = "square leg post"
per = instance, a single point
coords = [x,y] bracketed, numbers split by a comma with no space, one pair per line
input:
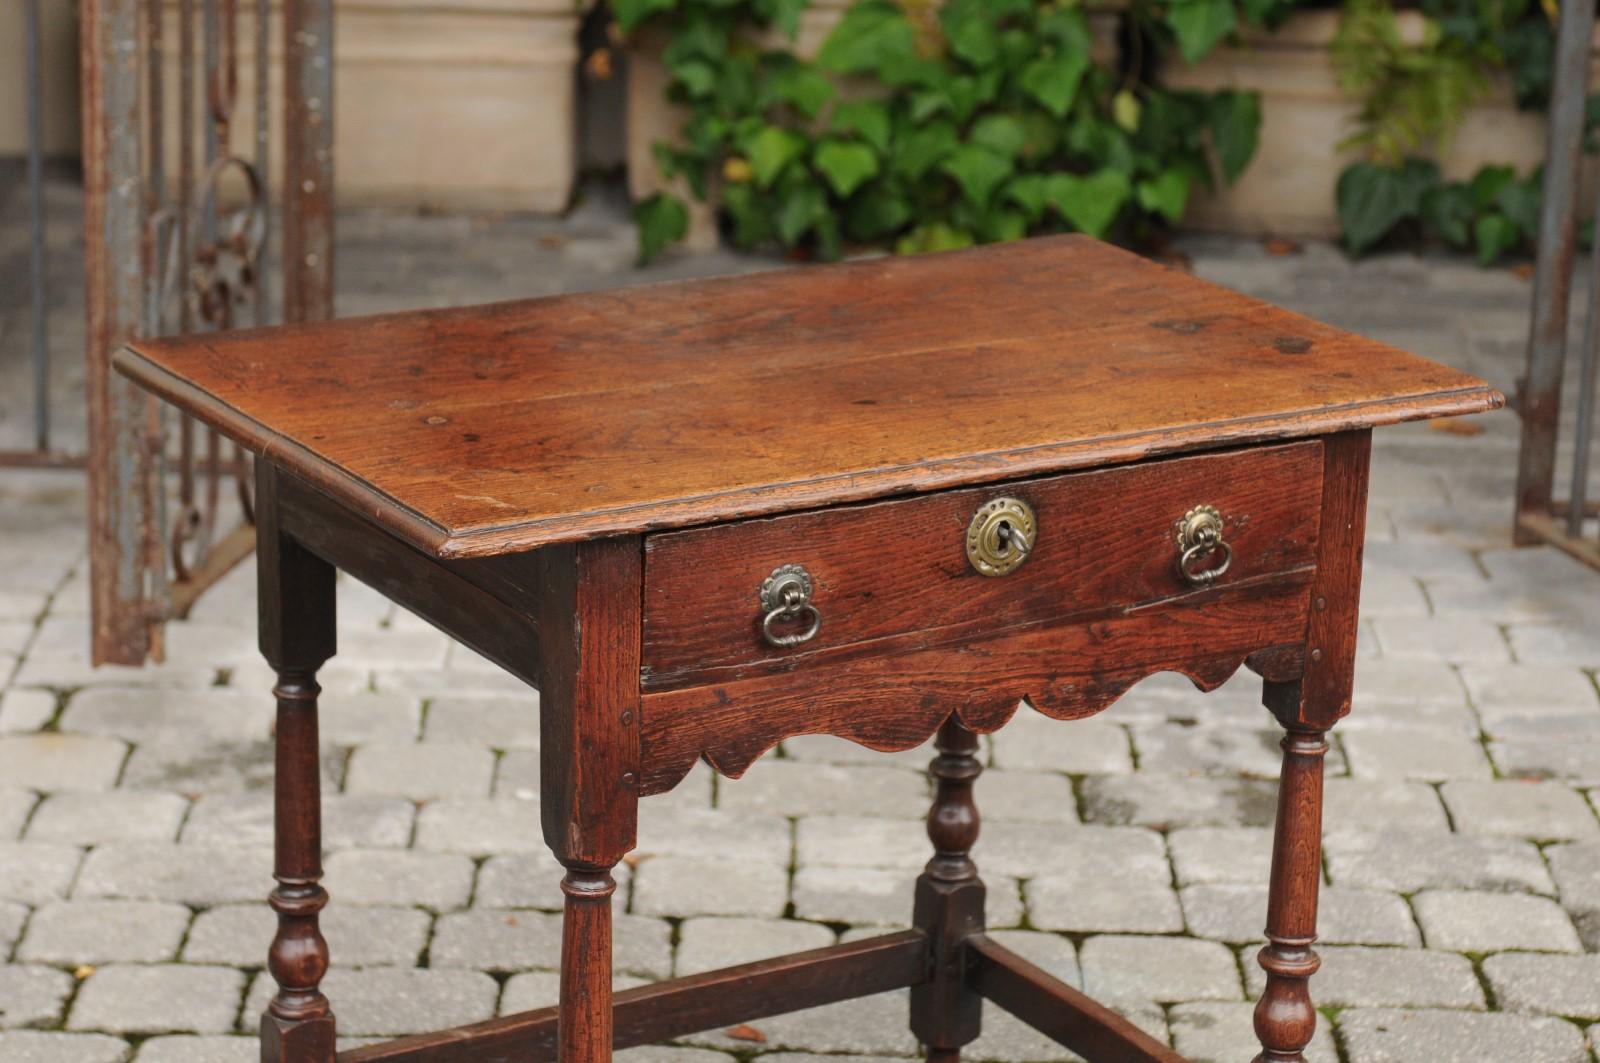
[946,1011]
[1285,1018]
[589,631]
[296,600]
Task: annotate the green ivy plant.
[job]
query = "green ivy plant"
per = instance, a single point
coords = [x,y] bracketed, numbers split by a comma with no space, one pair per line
[925,126]
[1414,96]
[1494,213]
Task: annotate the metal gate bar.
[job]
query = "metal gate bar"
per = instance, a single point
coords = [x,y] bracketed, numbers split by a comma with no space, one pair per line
[1540,516]
[40,453]
[183,255]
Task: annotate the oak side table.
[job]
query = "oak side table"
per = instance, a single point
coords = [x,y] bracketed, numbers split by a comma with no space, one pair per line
[882,500]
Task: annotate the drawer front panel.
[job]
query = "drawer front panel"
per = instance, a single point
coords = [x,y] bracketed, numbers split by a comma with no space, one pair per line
[899,570]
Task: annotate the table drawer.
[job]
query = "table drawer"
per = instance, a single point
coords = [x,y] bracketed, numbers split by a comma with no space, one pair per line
[894,575]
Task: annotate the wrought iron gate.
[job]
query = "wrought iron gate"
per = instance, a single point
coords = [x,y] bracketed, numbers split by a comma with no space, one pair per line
[178,219]
[1541,517]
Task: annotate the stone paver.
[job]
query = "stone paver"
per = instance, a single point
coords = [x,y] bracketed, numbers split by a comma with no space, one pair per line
[50,761]
[1412,860]
[163,998]
[440,881]
[1161,969]
[39,1046]
[683,885]
[1385,1035]
[91,818]
[1470,921]
[706,944]
[1556,985]
[1225,1033]
[32,996]
[349,821]
[1238,913]
[422,772]
[198,1050]
[135,804]
[520,940]
[1178,801]
[869,896]
[72,933]
[23,710]
[187,874]
[1430,754]
[1353,976]
[392,1002]
[36,872]
[15,808]
[1520,809]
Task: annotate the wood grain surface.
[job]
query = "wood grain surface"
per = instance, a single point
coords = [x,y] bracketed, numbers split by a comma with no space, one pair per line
[489,430]
[886,569]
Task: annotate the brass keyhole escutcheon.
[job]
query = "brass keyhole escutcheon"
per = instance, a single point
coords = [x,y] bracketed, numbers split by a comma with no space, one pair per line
[1001,536]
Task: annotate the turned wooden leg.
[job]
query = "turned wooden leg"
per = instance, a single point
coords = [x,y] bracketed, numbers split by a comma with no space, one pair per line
[589,637]
[583,1026]
[945,1012]
[1285,1018]
[297,637]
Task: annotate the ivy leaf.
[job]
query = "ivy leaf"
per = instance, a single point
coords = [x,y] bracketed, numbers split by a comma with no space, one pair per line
[979,171]
[867,119]
[1167,194]
[1235,119]
[870,36]
[697,77]
[1090,203]
[971,36]
[1448,208]
[1030,192]
[933,237]
[878,211]
[1001,224]
[782,15]
[802,85]
[1199,25]
[1054,82]
[804,203]
[845,164]
[919,150]
[1000,133]
[1489,182]
[750,222]
[661,220]
[1520,201]
[630,13]
[771,150]
[1496,234]
[1372,200]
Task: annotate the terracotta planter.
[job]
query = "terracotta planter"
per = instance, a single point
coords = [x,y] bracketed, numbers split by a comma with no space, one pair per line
[1289,187]
[445,104]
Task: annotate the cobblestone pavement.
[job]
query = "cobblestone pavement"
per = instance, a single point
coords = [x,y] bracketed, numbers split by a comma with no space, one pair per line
[1127,853]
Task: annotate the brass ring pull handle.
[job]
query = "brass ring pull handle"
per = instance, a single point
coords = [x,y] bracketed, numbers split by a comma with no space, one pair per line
[786,596]
[1001,536]
[1200,540]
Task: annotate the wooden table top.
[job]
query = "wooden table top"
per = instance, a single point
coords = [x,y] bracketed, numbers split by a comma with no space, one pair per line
[498,428]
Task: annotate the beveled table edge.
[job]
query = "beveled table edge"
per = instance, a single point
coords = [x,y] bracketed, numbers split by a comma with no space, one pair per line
[764,500]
